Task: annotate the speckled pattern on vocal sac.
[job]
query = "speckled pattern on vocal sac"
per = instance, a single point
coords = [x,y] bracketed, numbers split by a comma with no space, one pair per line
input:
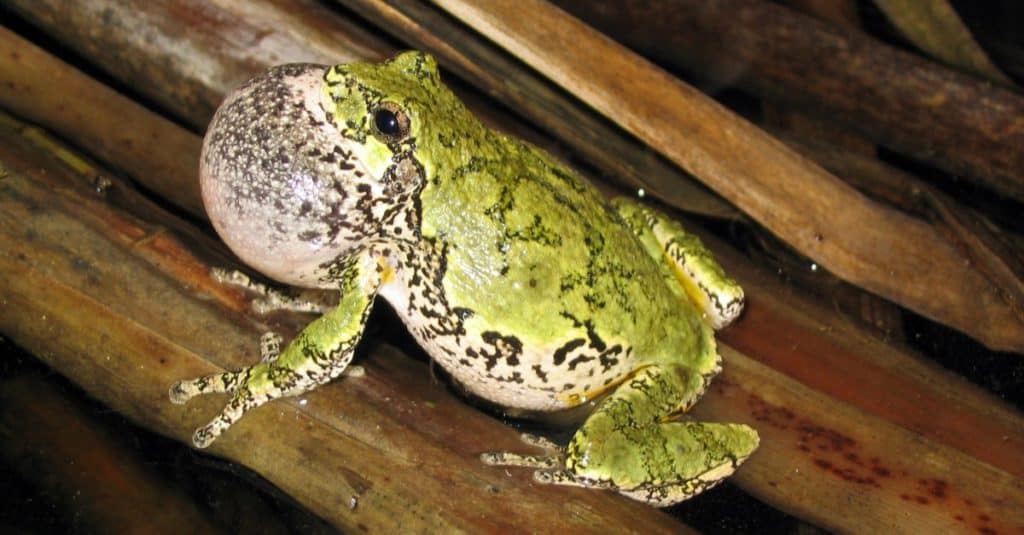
[513,273]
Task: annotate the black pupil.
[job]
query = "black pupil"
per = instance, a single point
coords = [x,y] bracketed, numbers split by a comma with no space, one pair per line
[387,122]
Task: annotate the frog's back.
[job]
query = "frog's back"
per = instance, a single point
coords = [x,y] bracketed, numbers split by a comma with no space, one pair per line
[557,298]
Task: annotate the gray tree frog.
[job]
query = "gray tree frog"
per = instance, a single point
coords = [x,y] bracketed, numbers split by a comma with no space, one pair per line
[513,273]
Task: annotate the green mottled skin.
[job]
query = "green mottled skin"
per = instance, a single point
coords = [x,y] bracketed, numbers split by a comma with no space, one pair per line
[511,271]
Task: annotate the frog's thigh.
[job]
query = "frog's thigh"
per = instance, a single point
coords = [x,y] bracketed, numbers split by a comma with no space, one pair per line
[627,445]
[696,269]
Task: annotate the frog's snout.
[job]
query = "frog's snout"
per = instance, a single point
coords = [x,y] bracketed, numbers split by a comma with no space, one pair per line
[271,177]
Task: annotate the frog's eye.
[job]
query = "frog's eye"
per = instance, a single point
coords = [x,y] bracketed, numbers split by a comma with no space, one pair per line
[391,122]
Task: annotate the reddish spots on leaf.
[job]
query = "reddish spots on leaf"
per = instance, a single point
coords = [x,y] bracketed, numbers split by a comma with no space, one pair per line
[822,436]
[984,518]
[985,530]
[958,518]
[848,474]
[938,489]
[834,451]
[905,497]
[769,414]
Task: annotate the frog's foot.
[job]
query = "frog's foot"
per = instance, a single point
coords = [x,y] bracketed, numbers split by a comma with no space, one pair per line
[270,299]
[671,462]
[242,400]
[249,388]
[552,458]
[550,467]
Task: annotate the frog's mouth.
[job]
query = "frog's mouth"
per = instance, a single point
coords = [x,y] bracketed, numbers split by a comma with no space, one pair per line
[278,182]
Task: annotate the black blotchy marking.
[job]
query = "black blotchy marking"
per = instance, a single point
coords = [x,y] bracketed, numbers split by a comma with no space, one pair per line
[595,341]
[608,358]
[579,360]
[505,346]
[562,352]
[309,235]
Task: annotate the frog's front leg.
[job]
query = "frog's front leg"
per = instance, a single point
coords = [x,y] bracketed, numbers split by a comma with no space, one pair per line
[318,354]
[631,446]
[695,268]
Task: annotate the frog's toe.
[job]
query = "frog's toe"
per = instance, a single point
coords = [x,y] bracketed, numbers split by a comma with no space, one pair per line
[538,441]
[181,392]
[504,458]
[187,389]
[561,476]
[205,435]
[552,459]
[239,404]
[231,277]
[553,477]
[355,370]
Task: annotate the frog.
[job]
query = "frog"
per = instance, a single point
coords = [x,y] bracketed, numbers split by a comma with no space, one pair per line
[516,275]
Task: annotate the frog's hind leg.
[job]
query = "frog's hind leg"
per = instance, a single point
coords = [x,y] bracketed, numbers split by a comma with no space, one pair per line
[271,299]
[707,454]
[705,282]
[630,446]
